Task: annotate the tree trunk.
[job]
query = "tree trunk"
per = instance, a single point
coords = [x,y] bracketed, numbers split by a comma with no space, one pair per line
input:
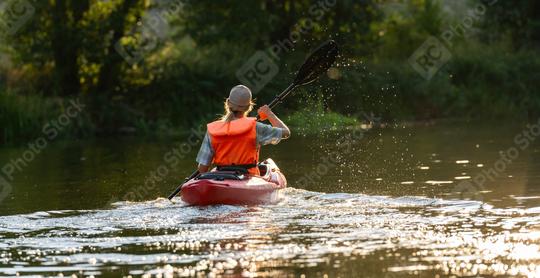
[66,43]
[65,50]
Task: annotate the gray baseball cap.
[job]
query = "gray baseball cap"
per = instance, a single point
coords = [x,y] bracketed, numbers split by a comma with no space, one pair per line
[240,98]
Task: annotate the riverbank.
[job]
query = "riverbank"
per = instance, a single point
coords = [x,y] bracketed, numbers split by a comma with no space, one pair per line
[25,118]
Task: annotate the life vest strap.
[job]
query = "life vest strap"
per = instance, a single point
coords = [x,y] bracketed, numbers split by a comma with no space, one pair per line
[242,168]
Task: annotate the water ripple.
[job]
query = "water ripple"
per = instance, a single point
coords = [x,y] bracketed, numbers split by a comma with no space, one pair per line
[316,232]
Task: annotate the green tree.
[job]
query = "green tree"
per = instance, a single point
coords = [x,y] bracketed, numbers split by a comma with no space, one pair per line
[519,21]
[72,35]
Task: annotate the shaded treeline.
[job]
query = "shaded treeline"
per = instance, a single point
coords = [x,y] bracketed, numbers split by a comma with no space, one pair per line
[146,66]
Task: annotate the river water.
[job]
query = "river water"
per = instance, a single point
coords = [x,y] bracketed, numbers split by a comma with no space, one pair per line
[452,198]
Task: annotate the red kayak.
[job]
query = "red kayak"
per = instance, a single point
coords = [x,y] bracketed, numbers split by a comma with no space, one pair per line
[233,186]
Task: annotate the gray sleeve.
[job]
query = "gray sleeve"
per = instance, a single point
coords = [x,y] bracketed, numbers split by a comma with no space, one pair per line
[267,134]
[206,153]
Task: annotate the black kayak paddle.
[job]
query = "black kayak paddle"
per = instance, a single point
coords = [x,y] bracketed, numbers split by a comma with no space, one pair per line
[317,63]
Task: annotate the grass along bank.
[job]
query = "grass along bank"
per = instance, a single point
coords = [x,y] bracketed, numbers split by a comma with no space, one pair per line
[26,117]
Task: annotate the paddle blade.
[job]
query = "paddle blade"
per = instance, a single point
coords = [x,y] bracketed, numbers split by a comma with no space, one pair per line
[317,63]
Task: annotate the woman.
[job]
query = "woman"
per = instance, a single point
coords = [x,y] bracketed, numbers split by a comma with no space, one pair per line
[235,139]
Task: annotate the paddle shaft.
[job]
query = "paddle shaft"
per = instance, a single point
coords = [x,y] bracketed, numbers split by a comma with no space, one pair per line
[281,96]
[277,100]
[194,174]
[318,62]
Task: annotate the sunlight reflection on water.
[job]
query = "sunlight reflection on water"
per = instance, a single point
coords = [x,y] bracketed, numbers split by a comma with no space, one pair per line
[307,230]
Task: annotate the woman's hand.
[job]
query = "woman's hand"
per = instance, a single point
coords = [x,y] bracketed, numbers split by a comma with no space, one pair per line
[265,112]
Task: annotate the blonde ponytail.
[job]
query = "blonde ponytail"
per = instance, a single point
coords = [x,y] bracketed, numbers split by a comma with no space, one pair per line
[231,112]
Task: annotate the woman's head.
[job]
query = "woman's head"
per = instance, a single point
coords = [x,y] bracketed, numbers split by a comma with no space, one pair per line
[238,104]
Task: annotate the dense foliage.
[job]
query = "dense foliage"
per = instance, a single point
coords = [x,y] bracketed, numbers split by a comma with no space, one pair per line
[155,66]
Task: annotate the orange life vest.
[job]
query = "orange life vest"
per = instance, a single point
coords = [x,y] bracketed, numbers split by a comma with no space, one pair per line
[235,142]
